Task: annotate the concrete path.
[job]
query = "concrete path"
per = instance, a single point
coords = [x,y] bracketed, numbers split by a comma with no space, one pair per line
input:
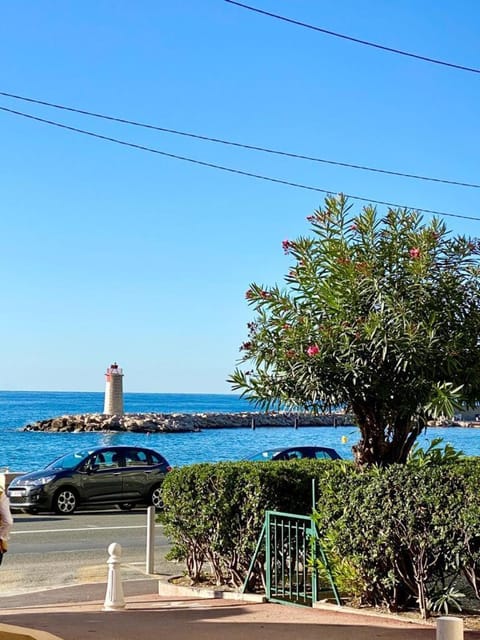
[75,613]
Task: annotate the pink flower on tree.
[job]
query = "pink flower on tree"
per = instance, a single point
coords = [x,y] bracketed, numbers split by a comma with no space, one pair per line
[414,253]
[312,350]
[249,294]
[287,245]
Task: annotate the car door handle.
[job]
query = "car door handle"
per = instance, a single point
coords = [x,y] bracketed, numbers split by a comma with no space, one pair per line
[117,473]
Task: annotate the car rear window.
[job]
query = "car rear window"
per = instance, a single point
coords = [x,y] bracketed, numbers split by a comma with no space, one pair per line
[322,455]
[157,458]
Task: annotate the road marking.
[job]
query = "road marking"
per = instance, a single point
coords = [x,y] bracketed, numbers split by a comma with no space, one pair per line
[89,528]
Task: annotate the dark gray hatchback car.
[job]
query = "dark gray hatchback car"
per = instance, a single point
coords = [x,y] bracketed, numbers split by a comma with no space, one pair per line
[120,475]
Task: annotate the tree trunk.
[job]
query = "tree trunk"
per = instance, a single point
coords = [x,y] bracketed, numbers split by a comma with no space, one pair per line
[381,443]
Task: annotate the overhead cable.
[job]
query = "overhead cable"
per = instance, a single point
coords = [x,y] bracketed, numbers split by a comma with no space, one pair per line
[238,144]
[352,39]
[230,169]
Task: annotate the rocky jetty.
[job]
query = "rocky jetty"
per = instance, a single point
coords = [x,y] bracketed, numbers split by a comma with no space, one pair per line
[178,422]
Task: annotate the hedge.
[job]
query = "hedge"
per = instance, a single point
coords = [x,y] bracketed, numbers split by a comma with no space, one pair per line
[402,531]
[397,537]
[213,513]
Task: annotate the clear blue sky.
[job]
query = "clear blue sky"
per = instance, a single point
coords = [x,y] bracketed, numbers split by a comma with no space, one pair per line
[110,253]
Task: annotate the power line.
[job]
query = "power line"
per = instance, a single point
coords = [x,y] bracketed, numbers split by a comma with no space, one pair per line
[230,169]
[352,39]
[238,144]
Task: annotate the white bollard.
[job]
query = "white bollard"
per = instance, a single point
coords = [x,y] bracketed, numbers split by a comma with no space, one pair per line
[150,550]
[114,600]
[449,628]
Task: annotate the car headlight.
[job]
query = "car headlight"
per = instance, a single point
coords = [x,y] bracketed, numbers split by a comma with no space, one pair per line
[38,482]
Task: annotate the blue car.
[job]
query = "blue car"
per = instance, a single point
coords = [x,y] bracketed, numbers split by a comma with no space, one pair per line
[296,453]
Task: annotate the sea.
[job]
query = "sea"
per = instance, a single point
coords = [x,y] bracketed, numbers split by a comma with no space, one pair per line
[30,450]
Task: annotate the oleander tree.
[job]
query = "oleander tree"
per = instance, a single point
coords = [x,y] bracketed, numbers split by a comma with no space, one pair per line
[379,315]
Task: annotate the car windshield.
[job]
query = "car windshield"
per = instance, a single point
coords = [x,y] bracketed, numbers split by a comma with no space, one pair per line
[70,461]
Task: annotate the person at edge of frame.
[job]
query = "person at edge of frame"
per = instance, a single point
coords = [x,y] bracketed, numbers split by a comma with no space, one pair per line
[6,522]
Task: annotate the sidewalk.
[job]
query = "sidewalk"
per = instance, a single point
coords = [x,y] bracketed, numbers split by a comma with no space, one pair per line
[75,613]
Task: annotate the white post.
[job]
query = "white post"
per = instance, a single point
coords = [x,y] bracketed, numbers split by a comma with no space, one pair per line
[449,628]
[150,555]
[114,597]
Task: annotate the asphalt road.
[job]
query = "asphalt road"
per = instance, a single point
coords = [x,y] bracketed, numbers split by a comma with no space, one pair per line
[48,551]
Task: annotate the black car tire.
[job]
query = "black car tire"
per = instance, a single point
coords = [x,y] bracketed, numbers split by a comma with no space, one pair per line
[65,501]
[156,499]
[126,506]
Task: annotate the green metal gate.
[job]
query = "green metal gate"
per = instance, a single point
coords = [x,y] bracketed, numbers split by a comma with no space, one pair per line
[292,552]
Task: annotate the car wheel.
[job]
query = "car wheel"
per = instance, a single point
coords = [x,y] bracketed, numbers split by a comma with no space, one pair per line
[126,506]
[65,501]
[156,499]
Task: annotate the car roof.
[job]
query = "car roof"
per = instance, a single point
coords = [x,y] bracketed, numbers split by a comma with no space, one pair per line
[119,446]
[300,446]
[112,447]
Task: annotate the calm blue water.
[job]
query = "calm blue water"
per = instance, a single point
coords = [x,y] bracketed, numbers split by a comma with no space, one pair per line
[26,451]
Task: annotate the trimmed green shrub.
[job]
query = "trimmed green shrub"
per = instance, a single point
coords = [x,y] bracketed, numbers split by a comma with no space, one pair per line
[403,528]
[470,551]
[399,537]
[214,513]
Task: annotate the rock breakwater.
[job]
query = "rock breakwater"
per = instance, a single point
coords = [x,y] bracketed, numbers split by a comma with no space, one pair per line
[183,422]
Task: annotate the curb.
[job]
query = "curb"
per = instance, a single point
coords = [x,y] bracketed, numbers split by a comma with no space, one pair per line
[166,588]
[12,632]
[326,606]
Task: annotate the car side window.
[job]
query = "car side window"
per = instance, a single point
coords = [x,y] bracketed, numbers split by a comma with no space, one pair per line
[106,460]
[283,455]
[136,458]
[322,455]
[97,461]
[294,455]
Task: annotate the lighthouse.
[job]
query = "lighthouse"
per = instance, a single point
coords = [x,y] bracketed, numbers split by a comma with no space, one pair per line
[113,391]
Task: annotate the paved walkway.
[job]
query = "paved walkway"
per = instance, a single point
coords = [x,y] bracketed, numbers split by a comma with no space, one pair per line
[75,613]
